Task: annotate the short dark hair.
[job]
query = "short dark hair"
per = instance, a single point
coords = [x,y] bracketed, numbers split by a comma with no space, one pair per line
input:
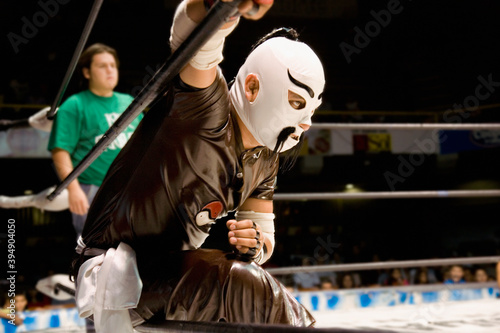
[289,33]
[87,56]
[89,53]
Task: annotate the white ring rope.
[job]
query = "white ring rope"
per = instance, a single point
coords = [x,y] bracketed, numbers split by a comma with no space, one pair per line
[384,265]
[405,126]
[386,195]
[439,286]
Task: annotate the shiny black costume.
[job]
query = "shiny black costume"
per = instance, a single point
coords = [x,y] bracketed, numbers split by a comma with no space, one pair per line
[177,173]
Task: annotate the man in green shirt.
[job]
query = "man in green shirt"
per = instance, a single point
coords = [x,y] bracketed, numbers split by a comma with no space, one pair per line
[80,123]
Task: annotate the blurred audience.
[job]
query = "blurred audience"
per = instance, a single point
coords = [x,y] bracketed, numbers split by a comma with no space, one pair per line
[423,275]
[397,277]
[327,284]
[480,275]
[13,308]
[346,281]
[455,274]
[306,280]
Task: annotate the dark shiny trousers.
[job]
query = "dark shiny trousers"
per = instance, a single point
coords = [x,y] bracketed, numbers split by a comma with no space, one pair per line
[213,285]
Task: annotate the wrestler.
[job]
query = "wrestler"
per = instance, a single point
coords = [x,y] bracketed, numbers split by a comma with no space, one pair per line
[201,152]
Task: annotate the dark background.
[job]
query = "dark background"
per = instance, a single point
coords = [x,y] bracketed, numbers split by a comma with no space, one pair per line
[428,58]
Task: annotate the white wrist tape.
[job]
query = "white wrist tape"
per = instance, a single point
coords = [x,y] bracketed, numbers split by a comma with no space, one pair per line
[264,220]
[210,55]
[182,26]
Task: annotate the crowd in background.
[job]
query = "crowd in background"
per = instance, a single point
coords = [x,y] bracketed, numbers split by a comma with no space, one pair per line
[307,280]
[330,246]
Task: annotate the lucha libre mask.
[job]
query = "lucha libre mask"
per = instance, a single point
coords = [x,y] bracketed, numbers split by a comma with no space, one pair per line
[281,65]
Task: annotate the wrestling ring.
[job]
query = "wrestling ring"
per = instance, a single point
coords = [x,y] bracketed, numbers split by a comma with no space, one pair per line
[470,307]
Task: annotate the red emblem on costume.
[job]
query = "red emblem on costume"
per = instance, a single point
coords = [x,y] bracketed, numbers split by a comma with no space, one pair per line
[209,213]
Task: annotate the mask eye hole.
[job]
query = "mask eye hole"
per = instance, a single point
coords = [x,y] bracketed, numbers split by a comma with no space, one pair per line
[296,101]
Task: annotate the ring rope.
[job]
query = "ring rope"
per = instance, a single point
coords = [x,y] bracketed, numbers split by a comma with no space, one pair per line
[386,195]
[384,265]
[405,126]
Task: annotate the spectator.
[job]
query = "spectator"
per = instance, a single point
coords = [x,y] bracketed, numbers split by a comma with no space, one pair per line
[306,280]
[13,308]
[374,277]
[327,284]
[498,275]
[397,277]
[38,300]
[423,275]
[455,274]
[323,258]
[82,120]
[468,274]
[346,281]
[480,275]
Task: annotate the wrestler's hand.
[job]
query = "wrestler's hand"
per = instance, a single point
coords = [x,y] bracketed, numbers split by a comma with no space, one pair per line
[245,236]
[254,10]
[78,202]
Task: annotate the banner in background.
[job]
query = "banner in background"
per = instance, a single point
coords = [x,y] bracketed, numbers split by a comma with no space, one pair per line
[457,141]
[347,142]
[387,297]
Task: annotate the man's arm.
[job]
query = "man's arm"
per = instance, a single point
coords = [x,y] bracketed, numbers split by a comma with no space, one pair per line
[204,72]
[17,320]
[242,233]
[498,274]
[78,202]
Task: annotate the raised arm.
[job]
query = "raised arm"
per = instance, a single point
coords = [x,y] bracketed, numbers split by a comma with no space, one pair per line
[200,72]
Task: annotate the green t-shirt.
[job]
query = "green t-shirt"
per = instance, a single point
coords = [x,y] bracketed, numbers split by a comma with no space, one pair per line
[80,123]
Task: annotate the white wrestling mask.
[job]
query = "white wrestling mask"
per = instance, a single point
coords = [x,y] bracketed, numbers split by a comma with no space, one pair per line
[281,65]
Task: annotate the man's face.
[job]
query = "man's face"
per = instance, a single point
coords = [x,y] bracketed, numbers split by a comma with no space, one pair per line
[457,273]
[103,73]
[291,82]
[298,103]
[21,302]
[481,276]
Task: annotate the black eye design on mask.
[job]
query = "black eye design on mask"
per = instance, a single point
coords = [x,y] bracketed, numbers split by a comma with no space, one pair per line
[300,84]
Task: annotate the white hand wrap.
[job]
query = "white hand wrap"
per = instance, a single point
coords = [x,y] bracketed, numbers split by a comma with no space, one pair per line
[266,223]
[210,55]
